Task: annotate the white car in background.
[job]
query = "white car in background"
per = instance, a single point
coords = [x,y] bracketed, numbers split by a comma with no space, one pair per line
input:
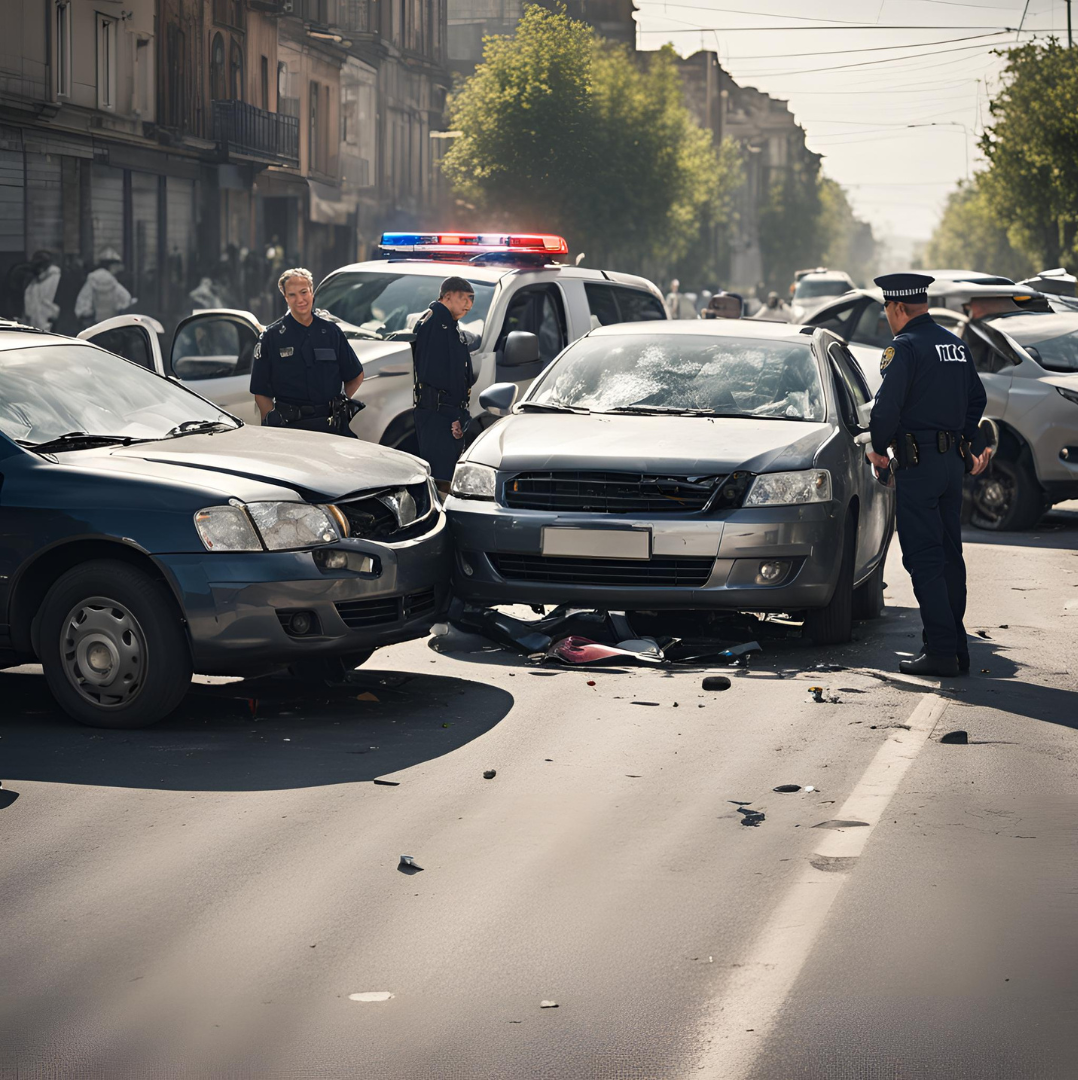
[815,289]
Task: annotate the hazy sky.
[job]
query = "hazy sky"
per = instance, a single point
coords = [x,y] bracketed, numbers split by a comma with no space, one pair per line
[855,88]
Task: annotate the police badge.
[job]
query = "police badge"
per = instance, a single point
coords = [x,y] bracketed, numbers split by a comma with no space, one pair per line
[888,356]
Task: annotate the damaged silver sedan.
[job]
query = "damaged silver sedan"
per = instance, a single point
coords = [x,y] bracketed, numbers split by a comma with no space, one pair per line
[680,466]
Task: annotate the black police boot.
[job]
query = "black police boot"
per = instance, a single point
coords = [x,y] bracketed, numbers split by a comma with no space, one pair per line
[963,665]
[924,664]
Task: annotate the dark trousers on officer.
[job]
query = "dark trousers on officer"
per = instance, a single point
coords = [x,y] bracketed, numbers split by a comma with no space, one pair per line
[437,446]
[929,518]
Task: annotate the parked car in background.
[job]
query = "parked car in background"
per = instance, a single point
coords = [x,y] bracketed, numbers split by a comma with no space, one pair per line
[707,465]
[1058,288]
[815,289]
[147,534]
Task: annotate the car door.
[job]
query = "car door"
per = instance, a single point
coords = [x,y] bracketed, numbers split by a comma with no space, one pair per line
[876,502]
[539,310]
[994,359]
[134,337]
[212,353]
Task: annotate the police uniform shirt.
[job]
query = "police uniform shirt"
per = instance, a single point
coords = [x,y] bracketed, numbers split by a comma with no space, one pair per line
[303,365]
[929,384]
[442,356]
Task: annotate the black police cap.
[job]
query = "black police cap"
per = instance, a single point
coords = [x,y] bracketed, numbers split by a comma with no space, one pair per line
[905,288]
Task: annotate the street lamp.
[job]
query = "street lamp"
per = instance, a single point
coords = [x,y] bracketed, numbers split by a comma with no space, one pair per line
[950,123]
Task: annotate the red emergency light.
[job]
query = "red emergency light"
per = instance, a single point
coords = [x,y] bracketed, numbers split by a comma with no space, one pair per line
[468,246]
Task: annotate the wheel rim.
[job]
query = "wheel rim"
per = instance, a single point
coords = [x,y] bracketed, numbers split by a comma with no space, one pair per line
[103,652]
[994,496]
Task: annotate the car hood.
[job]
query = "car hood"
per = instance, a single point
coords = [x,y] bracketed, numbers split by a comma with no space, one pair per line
[257,462]
[681,445]
[1058,378]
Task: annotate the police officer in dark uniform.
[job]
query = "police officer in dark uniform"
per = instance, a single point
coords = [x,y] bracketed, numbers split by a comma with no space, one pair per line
[300,364]
[928,410]
[441,355]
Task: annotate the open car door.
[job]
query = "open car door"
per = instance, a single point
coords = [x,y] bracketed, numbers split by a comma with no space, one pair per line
[212,353]
[134,337]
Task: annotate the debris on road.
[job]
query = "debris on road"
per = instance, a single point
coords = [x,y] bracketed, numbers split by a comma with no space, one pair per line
[785,788]
[489,774]
[366,696]
[643,703]
[816,693]
[984,634]
[809,787]
[750,817]
[739,654]
[827,667]
[840,823]
[955,738]
[371,995]
[383,783]
[716,682]
[406,861]
[548,1004]
[582,650]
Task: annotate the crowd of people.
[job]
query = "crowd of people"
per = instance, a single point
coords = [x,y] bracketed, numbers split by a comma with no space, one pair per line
[719,304]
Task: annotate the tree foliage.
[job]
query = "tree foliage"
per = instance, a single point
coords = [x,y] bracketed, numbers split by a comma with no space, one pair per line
[1031,186]
[560,131]
[970,237]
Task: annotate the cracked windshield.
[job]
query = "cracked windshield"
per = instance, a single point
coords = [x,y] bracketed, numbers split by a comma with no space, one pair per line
[726,377]
[379,305]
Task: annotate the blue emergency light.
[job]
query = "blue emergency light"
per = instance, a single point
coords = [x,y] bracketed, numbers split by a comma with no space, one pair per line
[465,247]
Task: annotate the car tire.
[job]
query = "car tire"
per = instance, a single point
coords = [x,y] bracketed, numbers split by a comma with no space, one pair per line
[113,647]
[323,670]
[832,624]
[1007,498]
[868,602]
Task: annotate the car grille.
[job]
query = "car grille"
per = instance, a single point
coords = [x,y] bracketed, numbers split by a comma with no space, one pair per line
[689,573]
[624,493]
[382,610]
[372,517]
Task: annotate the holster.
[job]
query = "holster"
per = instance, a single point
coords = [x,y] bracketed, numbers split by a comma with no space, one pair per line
[907,452]
[965,449]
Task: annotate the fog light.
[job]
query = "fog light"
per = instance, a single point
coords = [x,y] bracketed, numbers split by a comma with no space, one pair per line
[334,560]
[770,572]
[300,623]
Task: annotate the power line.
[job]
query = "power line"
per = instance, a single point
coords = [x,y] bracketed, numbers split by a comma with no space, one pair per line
[793,29]
[876,48]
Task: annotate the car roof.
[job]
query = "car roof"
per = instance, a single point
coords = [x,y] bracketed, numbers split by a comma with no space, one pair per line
[14,335]
[740,328]
[966,275]
[1029,327]
[826,275]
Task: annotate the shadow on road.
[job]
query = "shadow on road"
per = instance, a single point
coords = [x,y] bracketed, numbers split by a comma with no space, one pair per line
[255,734]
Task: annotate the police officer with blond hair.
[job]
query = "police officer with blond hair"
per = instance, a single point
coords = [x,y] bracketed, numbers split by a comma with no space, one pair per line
[301,364]
[928,409]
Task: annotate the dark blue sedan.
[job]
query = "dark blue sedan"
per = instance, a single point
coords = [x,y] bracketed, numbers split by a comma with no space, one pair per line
[145,534]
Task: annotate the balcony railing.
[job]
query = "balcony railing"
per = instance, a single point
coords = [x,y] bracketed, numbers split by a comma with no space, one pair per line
[252,132]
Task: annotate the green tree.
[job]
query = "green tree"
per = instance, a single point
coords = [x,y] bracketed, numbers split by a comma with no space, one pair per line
[848,242]
[1031,185]
[560,131]
[970,237]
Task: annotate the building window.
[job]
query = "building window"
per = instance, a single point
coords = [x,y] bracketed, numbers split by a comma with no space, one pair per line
[313,147]
[63,49]
[217,69]
[106,62]
[264,83]
[235,72]
[229,13]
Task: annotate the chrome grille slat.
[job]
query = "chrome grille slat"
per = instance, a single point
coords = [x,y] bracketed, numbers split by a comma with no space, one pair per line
[608,492]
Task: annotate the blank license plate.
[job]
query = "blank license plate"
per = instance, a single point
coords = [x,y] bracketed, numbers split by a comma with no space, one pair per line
[597,543]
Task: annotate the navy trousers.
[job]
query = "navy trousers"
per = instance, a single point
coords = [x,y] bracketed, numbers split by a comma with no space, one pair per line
[437,446]
[929,519]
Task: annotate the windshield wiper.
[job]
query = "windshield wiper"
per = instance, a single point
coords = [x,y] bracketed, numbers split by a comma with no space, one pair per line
[75,440]
[198,427]
[554,406]
[664,410]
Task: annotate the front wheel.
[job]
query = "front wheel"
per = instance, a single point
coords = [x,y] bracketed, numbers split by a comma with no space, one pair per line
[833,623]
[113,647]
[1007,498]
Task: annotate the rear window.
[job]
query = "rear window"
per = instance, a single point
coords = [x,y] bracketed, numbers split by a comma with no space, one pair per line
[813,288]
[617,303]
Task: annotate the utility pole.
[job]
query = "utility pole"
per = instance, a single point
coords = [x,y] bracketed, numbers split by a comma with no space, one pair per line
[1070,37]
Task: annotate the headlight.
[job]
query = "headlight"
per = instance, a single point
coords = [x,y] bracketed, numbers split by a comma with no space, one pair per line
[286,526]
[1070,395]
[790,488]
[226,528]
[473,481]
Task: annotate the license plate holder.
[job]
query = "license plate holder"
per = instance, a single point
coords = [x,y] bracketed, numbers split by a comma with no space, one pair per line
[581,543]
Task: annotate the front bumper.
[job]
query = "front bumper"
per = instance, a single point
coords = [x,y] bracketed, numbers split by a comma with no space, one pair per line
[237,605]
[695,562]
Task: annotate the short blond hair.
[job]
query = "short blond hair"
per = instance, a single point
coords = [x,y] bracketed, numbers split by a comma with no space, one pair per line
[296,271]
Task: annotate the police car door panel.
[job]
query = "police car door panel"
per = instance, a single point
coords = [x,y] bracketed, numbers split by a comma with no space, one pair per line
[212,353]
[538,309]
[134,337]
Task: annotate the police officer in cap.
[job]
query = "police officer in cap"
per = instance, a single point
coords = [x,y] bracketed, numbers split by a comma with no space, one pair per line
[928,409]
[441,355]
[300,364]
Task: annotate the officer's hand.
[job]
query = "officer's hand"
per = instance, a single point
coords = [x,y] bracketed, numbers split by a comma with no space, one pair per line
[458,431]
[980,461]
[881,461]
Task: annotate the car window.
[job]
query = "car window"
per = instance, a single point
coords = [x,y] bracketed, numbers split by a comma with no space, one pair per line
[213,347]
[723,375]
[50,390]
[538,310]
[838,318]
[850,372]
[988,359]
[130,342]
[382,302]
[636,305]
[813,288]
[1054,336]
[601,302]
[871,327]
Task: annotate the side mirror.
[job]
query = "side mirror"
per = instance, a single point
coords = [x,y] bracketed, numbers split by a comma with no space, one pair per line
[500,398]
[520,348]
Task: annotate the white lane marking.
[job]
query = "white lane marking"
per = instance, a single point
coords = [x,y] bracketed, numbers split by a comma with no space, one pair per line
[740,1017]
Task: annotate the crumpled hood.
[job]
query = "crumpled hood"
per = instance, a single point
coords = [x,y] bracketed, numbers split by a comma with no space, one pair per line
[257,462]
[681,445]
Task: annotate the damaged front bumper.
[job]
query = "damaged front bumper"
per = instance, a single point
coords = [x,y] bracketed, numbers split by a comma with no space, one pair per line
[782,558]
[241,608]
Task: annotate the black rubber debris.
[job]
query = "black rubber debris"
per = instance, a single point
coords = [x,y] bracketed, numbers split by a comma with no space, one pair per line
[982,633]
[644,703]
[716,682]
[785,788]
[490,774]
[388,783]
[955,738]
[750,817]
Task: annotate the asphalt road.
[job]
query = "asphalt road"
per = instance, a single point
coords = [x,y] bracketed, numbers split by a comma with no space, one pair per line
[204,898]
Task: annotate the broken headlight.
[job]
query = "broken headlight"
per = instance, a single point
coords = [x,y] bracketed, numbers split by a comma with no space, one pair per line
[790,488]
[472,481]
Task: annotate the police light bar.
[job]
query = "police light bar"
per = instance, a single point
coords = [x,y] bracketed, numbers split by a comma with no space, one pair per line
[466,246]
